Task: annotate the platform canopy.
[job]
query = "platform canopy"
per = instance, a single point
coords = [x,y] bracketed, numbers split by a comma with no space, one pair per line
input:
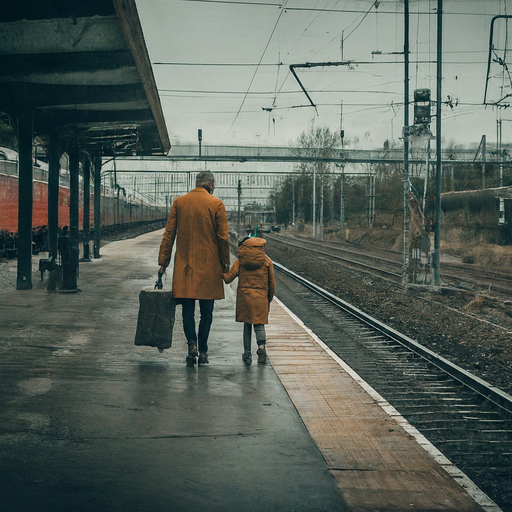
[81,66]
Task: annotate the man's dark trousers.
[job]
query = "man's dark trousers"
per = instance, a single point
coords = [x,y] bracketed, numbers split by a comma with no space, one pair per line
[205,322]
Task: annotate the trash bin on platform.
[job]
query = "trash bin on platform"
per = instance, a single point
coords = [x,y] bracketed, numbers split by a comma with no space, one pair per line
[69,263]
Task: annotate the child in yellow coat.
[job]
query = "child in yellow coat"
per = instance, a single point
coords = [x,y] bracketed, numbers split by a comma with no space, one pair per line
[256,288]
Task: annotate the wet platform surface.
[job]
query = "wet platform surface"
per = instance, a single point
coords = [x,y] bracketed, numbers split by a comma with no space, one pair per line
[88,421]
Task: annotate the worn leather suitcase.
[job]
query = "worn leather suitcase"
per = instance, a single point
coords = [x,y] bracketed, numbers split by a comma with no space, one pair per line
[156,318]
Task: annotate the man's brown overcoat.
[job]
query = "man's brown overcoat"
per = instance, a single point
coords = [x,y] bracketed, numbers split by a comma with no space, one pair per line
[256,282]
[199,223]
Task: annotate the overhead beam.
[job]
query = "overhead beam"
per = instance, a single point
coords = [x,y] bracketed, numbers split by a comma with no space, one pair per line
[336,160]
[37,10]
[345,160]
[57,67]
[82,67]
[43,95]
[120,76]
[186,152]
[61,35]
[106,106]
[90,118]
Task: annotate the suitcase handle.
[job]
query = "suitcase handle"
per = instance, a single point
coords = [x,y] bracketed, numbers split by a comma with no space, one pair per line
[159,285]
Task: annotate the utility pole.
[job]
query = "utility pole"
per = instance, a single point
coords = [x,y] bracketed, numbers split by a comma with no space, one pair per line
[405,256]
[314,200]
[371,199]
[331,197]
[437,228]
[239,188]
[427,173]
[484,158]
[342,177]
[501,152]
[321,223]
[293,201]
[275,201]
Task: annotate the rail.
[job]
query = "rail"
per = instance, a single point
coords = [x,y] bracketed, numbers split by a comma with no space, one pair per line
[478,385]
[466,418]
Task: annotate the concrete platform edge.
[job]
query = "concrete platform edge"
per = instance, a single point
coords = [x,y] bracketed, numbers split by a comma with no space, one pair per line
[455,473]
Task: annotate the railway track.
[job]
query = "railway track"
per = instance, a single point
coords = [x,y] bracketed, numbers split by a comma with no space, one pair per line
[467,419]
[388,265]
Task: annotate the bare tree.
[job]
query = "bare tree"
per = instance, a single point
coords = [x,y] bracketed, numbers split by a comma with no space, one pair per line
[318,143]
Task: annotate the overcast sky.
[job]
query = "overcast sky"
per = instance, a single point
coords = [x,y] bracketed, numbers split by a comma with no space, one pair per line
[205,57]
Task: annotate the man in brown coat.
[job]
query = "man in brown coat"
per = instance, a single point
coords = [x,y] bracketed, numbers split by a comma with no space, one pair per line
[199,223]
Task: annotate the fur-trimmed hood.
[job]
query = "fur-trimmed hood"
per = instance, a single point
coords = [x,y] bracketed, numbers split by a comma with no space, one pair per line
[251,253]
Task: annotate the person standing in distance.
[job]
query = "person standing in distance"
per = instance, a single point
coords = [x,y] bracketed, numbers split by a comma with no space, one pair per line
[199,224]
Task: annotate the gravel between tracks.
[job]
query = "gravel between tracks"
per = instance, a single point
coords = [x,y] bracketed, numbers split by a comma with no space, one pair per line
[455,324]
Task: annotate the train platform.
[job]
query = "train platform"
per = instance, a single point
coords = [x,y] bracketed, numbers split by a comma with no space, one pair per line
[88,421]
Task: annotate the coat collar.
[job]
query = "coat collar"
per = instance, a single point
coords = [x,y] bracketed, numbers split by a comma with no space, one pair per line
[201,190]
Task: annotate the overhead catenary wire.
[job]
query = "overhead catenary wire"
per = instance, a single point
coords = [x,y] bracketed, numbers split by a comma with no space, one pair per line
[326,9]
[355,62]
[358,11]
[346,28]
[367,106]
[237,2]
[267,93]
[257,67]
[282,80]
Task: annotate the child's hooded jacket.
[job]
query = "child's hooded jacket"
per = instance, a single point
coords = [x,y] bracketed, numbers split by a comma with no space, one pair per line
[256,282]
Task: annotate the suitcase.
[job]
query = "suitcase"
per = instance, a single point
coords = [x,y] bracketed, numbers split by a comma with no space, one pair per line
[156,317]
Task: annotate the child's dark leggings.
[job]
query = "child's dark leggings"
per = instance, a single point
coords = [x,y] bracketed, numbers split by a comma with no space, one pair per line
[259,330]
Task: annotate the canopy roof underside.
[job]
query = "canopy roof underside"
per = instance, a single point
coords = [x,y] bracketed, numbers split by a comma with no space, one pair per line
[81,67]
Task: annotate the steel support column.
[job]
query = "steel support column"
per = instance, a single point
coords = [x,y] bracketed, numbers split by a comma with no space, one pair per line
[484,158]
[407,184]
[53,207]
[293,201]
[70,251]
[97,205]
[53,195]
[321,219]
[439,170]
[314,200]
[25,199]
[87,207]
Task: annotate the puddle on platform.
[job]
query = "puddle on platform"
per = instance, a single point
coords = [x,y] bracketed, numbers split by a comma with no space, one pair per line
[74,341]
[36,386]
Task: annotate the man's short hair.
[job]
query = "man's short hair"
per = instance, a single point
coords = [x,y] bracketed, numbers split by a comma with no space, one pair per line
[205,178]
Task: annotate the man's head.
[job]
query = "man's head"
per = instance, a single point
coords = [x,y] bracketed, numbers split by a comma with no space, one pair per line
[206,180]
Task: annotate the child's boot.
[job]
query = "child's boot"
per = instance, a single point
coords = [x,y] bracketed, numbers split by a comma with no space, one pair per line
[262,354]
